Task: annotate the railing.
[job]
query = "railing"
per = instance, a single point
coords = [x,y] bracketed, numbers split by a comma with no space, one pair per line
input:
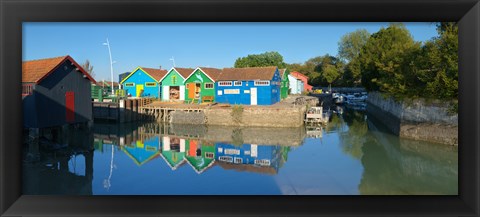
[27,89]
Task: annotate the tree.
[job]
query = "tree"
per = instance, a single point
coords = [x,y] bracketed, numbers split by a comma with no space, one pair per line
[386,59]
[351,44]
[258,60]
[330,73]
[437,64]
[88,68]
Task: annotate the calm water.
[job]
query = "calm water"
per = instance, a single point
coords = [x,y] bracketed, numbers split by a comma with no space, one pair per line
[351,156]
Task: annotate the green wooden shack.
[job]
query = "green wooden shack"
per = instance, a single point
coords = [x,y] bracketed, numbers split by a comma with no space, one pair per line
[200,155]
[284,83]
[173,151]
[200,85]
[173,87]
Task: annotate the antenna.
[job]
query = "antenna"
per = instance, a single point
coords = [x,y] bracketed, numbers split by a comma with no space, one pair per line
[173,59]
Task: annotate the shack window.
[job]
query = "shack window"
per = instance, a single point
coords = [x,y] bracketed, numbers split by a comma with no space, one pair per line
[208,85]
[225,83]
[209,155]
[237,83]
[27,89]
[150,84]
[262,83]
[131,84]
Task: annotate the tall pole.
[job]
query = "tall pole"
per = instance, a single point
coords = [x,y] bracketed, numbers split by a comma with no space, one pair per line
[111,62]
[172,59]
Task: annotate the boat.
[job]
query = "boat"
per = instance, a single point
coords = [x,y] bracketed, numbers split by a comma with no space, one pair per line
[316,115]
[314,131]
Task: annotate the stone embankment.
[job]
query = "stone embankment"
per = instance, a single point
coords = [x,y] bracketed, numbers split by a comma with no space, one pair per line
[416,119]
[288,113]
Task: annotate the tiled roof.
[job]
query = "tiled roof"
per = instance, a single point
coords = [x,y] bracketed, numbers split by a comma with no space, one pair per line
[214,73]
[155,73]
[245,74]
[35,70]
[298,75]
[185,72]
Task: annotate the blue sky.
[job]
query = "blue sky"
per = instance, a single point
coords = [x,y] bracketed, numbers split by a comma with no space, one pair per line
[191,44]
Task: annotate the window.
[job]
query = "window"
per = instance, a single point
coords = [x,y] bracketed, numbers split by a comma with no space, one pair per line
[262,162]
[262,83]
[208,85]
[151,84]
[226,159]
[27,89]
[129,84]
[238,160]
[209,155]
[225,83]
[237,83]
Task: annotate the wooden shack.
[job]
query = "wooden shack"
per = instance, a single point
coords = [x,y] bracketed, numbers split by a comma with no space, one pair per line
[55,92]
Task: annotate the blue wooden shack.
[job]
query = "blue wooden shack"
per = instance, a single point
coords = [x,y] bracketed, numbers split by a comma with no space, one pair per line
[55,92]
[259,155]
[143,82]
[248,86]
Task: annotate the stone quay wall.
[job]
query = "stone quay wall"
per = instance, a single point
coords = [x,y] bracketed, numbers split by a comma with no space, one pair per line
[416,119]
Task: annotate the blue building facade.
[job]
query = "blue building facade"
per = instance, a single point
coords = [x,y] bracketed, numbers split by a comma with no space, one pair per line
[260,155]
[143,82]
[248,86]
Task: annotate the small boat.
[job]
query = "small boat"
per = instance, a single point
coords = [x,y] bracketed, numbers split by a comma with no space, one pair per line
[316,115]
[314,131]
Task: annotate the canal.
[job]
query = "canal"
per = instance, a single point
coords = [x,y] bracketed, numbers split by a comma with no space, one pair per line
[352,155]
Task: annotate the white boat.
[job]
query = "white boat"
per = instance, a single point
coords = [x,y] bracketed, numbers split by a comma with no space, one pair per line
[316,115]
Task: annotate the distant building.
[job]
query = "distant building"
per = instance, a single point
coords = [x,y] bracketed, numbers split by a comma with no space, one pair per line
[55,91]
[248,86]
[296,84]
[173,87]
[123,76]
[304,79]
[143,82]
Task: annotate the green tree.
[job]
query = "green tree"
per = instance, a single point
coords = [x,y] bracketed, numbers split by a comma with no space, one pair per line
[89,68]
[386,59]
[436,65]
[272,58]
[351,44]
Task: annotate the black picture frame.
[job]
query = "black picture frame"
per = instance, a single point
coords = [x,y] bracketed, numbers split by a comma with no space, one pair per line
[13,13]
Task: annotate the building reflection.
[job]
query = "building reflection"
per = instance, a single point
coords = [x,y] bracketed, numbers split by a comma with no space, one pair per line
[202,147]
[66,171]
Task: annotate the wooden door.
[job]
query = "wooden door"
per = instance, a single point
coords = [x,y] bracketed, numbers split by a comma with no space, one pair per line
[253,96]
[191,90]
[70,106]
[139,90]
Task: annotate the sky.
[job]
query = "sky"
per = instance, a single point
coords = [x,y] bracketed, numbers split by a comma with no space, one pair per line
[191,45]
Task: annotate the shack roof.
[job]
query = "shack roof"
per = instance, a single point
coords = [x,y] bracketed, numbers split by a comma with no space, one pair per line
[245,74]
[157,74]
[34,71]
[298,75]
[185,72]
[212,73]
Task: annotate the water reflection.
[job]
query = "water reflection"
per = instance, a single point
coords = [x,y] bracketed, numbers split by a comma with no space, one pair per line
[352,155]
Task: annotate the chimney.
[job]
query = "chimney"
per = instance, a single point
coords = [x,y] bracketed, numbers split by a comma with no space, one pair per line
[160,66]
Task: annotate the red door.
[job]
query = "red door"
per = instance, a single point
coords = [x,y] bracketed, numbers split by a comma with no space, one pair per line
[70,106]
